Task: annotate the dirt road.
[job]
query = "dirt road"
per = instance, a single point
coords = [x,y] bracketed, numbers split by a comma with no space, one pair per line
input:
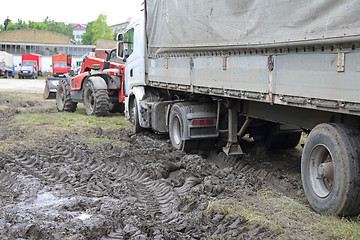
[107,183]
[28,85]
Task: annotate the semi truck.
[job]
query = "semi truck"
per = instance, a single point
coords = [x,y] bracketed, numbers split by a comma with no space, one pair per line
[267,70]
[61,65]
[34,60]
[6,64]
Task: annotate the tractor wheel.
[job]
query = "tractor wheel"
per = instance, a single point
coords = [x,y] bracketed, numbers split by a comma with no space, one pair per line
[330,169]
[96,101]
[63,98]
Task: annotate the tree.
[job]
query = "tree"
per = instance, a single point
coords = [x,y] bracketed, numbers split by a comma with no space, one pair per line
[6,23]
[16,26]
[47,25]
[88,35]
[97,29]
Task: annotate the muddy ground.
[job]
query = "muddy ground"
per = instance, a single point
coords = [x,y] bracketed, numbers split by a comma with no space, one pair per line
[63,188]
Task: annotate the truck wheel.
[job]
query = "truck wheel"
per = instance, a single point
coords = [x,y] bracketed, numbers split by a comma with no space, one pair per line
[176,131]
[134,116]
[96,101]
[330,169]
[63,97]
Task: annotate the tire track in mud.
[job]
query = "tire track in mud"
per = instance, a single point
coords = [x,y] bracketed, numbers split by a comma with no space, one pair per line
[155,198]
[132,193]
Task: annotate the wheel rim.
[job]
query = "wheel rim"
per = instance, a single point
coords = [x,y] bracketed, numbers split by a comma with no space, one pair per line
[176,130]
[321,171]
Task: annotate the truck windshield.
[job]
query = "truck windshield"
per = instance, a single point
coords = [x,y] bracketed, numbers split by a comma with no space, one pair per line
[29,63]
[60,65]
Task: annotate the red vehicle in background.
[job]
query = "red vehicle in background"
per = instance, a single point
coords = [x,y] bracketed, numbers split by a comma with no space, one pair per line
[100,86]
[34,60]
[61,65]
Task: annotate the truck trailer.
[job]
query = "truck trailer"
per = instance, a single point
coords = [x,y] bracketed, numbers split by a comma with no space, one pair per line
[269,70]
[6,64]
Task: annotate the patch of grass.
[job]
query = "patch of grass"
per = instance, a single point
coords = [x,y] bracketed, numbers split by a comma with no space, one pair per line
[68,122]
[3,106]
[103,140]
[20,96]
[27,128]
[287,217]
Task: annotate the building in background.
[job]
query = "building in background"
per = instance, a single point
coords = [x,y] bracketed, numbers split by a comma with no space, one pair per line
[121,27]
[18,42]
[78,31]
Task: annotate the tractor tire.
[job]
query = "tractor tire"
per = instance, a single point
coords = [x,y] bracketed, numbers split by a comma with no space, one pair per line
[330,169]
[96,101]
[63,97]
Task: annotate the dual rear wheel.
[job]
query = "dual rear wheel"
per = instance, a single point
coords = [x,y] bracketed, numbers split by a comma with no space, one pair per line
[330,169]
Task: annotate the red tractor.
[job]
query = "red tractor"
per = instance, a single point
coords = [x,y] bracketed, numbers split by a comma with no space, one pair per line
[99,86]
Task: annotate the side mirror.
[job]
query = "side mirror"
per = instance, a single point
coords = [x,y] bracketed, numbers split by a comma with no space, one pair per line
[120,51]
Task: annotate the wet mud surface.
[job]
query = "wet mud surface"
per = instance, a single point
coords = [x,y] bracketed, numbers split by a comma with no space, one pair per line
[66,189]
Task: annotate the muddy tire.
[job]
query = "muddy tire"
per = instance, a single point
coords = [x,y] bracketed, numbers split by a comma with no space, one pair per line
[330,169]
[134,116]
[96,101]
[176,131]
[63,97]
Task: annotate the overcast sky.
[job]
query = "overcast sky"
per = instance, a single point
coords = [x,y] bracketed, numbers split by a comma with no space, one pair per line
[68,11]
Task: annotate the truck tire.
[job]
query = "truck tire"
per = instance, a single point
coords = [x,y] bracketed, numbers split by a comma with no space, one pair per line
[134,116]
[63,97]
[330,169]
[96,101]
[176,131]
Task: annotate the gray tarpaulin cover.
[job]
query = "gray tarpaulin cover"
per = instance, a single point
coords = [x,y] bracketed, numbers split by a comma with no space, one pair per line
[173,25]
